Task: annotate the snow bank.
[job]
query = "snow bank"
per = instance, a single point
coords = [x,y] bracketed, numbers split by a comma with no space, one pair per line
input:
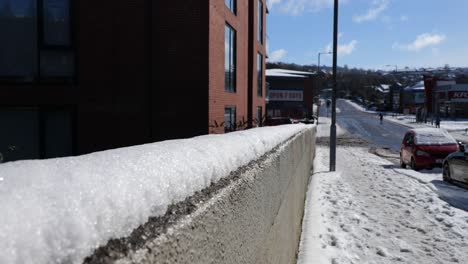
[59,210]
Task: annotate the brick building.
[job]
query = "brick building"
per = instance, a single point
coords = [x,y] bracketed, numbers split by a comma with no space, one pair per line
[83,76]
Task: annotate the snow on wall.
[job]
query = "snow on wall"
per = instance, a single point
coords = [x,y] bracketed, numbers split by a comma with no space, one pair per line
[59,210]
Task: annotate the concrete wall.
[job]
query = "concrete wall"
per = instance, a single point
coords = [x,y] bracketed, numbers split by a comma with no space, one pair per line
[256,218]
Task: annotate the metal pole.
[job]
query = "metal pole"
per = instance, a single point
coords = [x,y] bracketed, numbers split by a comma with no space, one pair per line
[318,66]
[333,121]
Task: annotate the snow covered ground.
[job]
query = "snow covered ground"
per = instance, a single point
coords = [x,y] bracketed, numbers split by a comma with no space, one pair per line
[371,211]
[60,210]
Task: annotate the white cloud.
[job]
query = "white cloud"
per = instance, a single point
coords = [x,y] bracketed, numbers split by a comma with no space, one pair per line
[422,41]
[271,3]
[377,8]
[277,55]
[298,7]
[343,49]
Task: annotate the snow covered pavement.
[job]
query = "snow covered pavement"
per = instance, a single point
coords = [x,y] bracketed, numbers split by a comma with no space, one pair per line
[370,212]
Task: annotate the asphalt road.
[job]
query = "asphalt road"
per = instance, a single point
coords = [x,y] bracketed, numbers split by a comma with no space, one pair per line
[367,126]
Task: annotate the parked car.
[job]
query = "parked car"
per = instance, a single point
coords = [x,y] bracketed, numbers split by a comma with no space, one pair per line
[275,121]
[305,120]
[426,148]
[308,120]
[456,166]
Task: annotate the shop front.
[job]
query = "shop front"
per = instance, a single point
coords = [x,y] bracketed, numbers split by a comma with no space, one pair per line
[452,100]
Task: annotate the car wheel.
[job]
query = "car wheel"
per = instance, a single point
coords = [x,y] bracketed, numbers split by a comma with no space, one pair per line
[413,165]
[446,172]
[402,163]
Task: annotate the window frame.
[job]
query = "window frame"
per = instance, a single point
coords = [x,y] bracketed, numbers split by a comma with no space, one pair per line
[41,111]
[231,86]
[41,47]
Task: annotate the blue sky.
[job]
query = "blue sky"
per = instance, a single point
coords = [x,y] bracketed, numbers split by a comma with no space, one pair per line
[373,33]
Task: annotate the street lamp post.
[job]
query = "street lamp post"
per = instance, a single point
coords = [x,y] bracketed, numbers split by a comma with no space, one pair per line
[318,65]
[333,121]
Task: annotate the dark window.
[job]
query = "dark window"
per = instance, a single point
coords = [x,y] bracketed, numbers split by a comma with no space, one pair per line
[230,59]
[32,133]
[231,4]
[259,116]
[36,42]
[56,15]
[229,119]
[260,21]
[259,74]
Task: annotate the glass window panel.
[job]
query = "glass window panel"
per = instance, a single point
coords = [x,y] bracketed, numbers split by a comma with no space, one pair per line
[18,45]
[57,64]
[227,58]
[230,59]
[233,59]
[231,4]
[58,134]
[259,74]
[260,22]
[229,119]
[57,22]
[19,136]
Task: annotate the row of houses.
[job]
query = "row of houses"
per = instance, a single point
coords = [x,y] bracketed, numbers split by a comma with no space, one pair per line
[431,96]
[84,76]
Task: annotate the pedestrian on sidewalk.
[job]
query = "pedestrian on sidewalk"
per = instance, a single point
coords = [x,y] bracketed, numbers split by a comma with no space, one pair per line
[381,118]
[437,121]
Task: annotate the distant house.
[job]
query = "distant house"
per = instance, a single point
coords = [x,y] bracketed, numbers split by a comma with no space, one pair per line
[395,97]
[378,94]
[290,93]
[413,97]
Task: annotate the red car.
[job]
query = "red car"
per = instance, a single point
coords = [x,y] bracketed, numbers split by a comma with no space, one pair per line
[426,148]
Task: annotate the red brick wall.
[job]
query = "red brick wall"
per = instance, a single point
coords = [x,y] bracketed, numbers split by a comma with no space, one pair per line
[218,97]
[259,48]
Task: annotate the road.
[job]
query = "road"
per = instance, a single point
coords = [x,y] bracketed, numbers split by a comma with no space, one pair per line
[368,127]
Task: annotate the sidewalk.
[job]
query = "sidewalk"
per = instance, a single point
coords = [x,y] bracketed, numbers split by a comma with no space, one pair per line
[371,211]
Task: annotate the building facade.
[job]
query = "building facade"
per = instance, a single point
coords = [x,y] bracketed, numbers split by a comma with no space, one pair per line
[83,76]
[290,93]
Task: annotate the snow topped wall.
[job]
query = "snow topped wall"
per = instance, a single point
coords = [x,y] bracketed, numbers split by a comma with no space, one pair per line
[61,210]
